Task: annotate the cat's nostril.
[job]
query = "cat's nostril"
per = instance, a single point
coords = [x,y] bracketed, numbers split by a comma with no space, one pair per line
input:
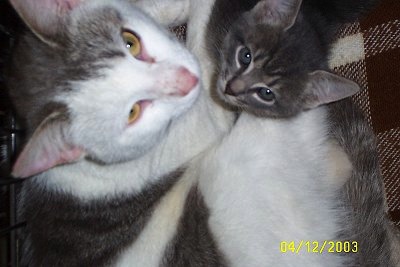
[228,89]
[235,87]
[179,83]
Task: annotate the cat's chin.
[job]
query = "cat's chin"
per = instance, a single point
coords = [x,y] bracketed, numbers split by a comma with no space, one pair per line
[123,155]
[231,102]
[246,104]
[227,101]
[235,104]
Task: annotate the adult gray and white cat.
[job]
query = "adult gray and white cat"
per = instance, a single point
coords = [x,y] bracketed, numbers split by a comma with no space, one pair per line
[106,95]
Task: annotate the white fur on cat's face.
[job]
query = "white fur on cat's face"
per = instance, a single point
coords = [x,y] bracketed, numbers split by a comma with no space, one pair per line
[100,107]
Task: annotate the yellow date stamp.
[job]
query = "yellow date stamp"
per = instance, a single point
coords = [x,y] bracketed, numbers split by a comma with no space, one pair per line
[319,246]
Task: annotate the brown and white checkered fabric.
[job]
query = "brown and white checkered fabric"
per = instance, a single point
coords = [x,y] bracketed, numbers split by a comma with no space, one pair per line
[368,52]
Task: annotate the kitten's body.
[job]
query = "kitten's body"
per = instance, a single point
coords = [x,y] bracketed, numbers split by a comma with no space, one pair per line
[274,187]
[285,52]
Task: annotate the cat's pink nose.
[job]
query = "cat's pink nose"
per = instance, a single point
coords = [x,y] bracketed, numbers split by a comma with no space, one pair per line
[185,82]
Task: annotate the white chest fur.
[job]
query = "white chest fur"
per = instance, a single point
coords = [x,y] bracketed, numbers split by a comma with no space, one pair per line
[267,183]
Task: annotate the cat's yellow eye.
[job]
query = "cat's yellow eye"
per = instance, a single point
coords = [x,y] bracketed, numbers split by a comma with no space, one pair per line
[132,42]
[134,113]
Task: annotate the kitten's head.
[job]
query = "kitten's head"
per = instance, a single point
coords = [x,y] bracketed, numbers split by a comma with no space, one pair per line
[97,79]
[272,63]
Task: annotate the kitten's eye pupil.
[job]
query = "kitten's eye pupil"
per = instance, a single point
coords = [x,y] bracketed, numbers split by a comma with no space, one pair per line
[244,56]
[266,94]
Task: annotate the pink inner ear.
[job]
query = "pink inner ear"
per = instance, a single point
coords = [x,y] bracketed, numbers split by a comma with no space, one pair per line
[31,162]
[281,13]
[68,4]
[55,6]
[41,154]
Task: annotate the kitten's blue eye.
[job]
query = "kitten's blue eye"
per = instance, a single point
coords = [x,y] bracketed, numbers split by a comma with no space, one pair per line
[244,56]
[266,94]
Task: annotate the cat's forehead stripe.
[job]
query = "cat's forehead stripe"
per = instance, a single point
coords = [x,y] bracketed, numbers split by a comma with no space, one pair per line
[261,55]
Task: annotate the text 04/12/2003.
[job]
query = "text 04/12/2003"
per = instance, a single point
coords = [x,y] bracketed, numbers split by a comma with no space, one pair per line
[319,246]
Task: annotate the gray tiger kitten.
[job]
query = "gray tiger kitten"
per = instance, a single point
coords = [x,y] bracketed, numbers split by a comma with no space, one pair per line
[273,64]
[275,177]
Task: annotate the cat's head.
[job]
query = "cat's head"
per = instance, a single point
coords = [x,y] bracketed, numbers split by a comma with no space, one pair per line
[272,63]
[97,79]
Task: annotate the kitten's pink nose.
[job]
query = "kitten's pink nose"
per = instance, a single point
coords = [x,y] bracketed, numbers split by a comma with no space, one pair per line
[185,82]
[235,87]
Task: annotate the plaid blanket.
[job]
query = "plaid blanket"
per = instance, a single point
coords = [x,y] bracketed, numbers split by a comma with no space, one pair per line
[368,52]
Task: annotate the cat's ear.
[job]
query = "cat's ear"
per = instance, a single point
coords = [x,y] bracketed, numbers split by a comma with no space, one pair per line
[324,87]
[281,13]
[47,148]
[45,17]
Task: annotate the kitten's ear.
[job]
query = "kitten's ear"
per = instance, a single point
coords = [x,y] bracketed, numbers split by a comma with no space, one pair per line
[46,148]
[324,87]
[282,13]
[44,17]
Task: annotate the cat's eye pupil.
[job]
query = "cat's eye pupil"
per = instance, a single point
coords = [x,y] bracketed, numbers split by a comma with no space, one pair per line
[132,43]
[134,113]
[266,94]
[129,44]
[245,56]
